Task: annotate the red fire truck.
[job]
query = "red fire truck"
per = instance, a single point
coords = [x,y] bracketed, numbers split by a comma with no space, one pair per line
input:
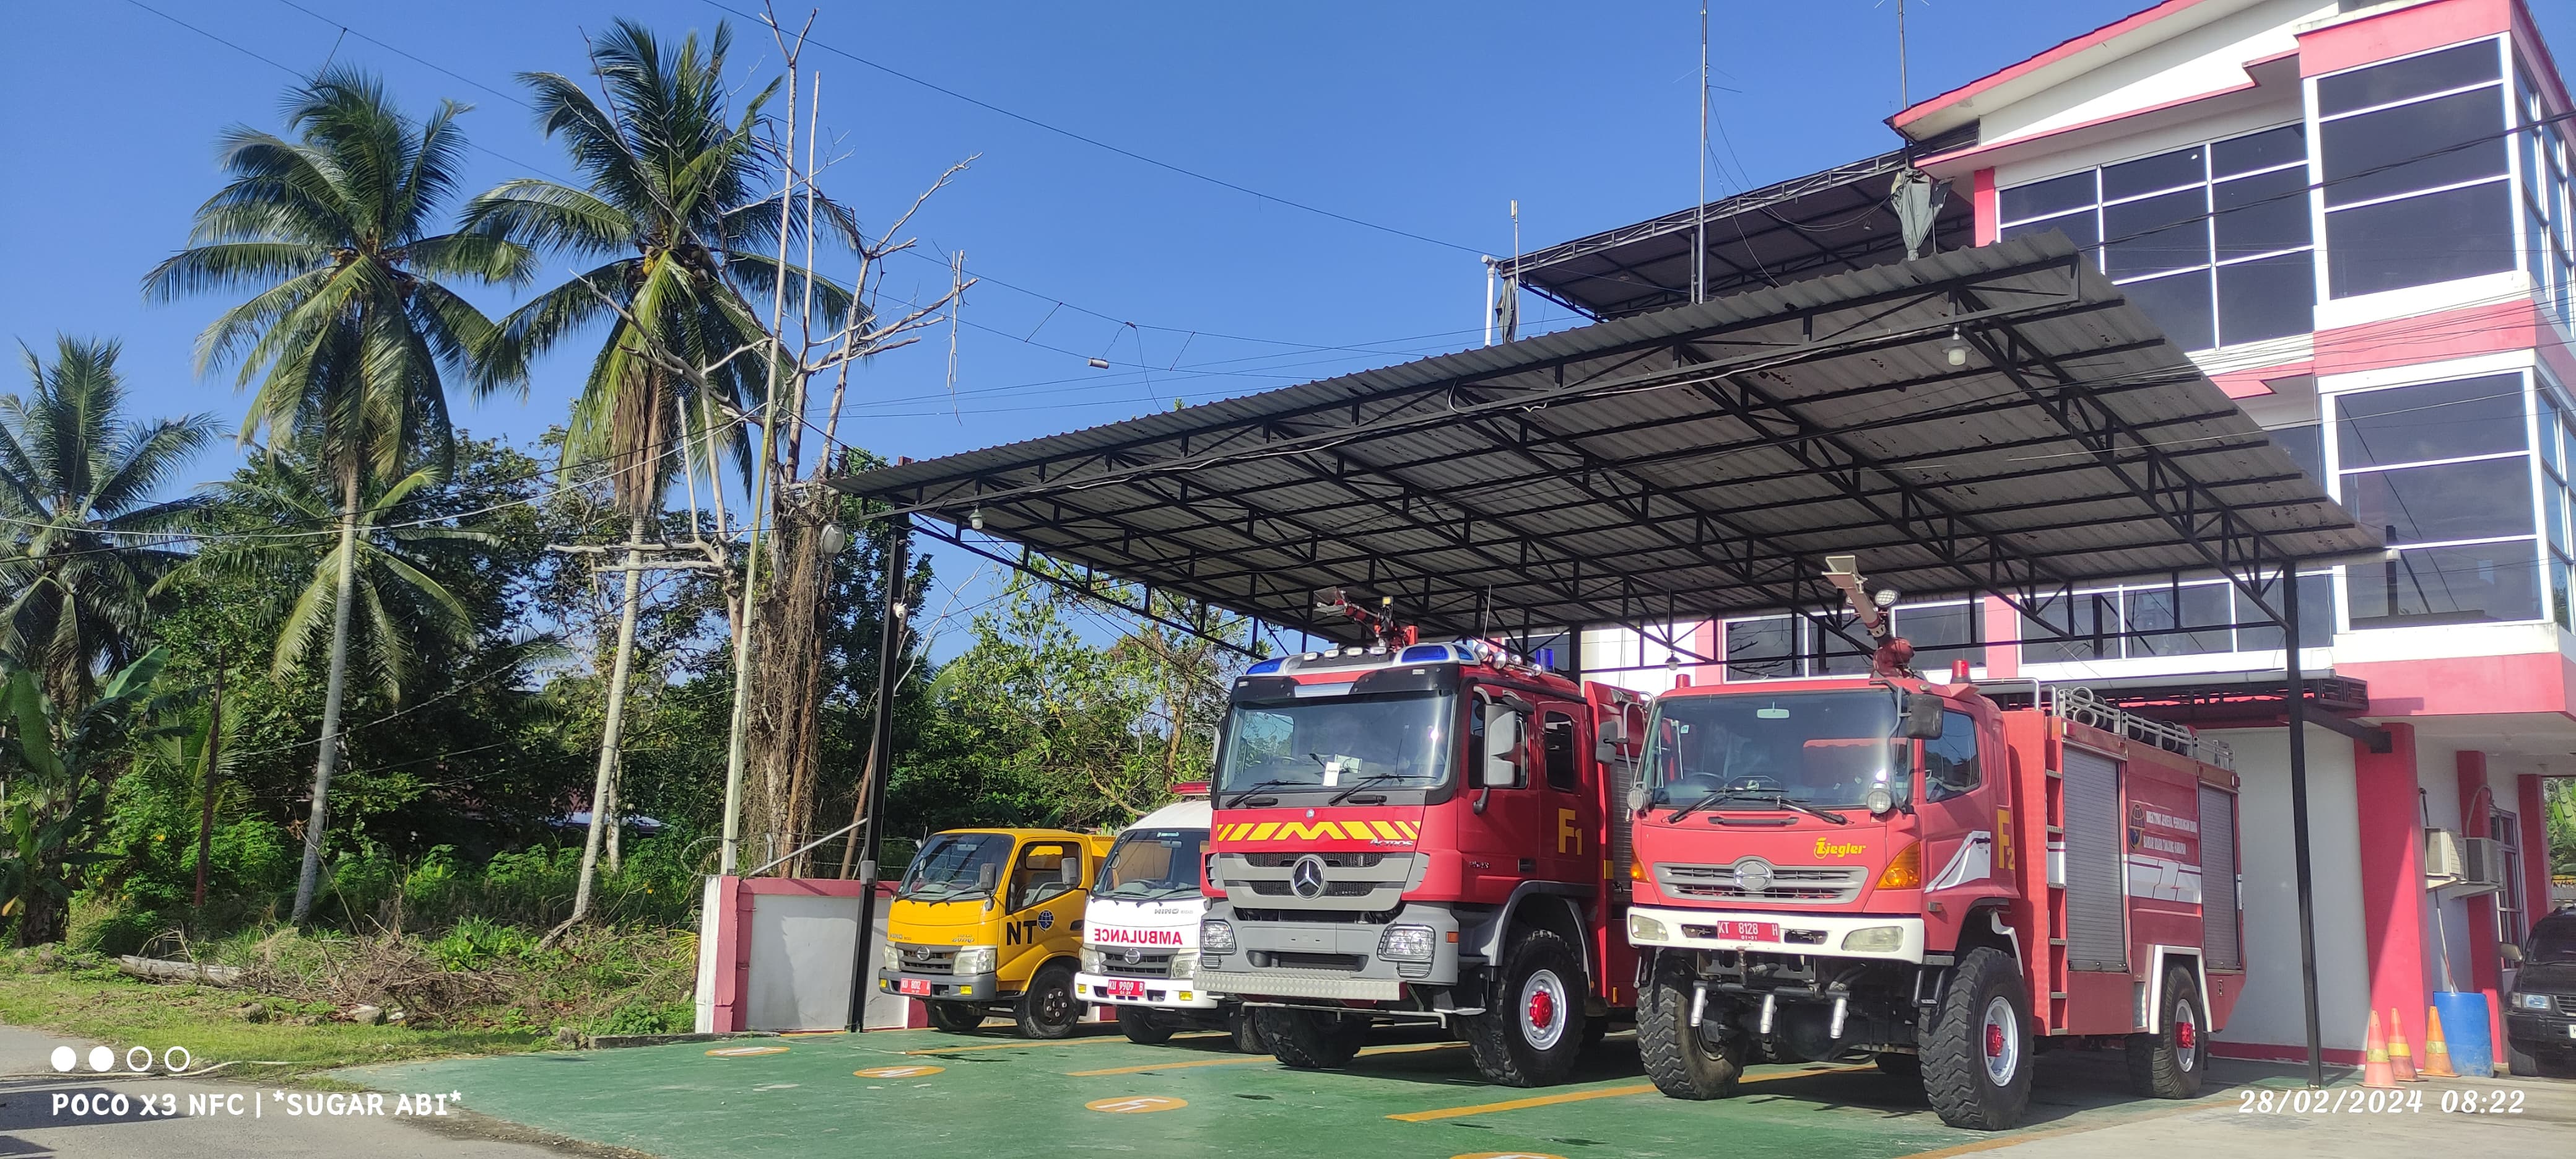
[1888,867]
[1419,832]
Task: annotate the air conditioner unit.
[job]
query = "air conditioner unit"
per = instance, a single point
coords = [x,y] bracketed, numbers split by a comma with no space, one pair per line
[2475,865]
[2442,861]
[2483,863]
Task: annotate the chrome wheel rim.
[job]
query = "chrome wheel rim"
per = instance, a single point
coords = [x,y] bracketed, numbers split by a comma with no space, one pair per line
[1542,1009]
[2001,1040]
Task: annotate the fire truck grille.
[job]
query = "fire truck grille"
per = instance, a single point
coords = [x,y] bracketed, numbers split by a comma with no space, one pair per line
[1331,889]
[1331,860]
[1295,960]
[928,959]
[1789,884]
[1146,965]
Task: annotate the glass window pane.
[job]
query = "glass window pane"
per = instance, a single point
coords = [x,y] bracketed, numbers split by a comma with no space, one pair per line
[2148,174]
[2260,151]
[2054,195]
[2410,147]
[1761,649]
[2080,228]
[2160,619]
[2270,297]
[1835,655]
[1943,634]
[2473,500]
[2084,626]
[2487,582]
[2438,420]
[2260,214]
[2180,304]
[2420,240]
[2156,234]
[2306,446]
[2553,515]
[2316,617]
[2559,608]
[2411,77]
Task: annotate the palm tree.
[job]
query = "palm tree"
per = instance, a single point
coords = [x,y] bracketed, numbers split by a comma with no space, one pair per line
[349,334]
[83,540]
[676,199]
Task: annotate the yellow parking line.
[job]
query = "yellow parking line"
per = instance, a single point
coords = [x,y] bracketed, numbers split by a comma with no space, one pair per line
[1251,1059]
[1028,1042]
[1582,1096]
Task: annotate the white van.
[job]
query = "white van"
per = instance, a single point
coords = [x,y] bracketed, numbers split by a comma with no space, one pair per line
[1140,931]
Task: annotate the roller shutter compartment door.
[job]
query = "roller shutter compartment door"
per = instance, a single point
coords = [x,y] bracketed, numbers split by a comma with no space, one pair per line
[2097,901]
[2219,940]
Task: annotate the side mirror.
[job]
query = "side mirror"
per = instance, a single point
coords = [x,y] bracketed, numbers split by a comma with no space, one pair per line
[1922,717]
[1506,749]
[986,876]
[2511,953]
[1068,871]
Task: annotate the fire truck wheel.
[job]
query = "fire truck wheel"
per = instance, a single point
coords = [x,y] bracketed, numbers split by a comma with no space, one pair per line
[1532,1027]
[1246,1030]
[1685,1062]
[1049,1009]
[1142,1027]
[954,1017]
[1311,1039]
[1976,1059]
[2168,1063]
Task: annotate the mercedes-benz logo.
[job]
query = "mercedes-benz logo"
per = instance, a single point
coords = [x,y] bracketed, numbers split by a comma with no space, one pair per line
[1753,875]
[1308,877]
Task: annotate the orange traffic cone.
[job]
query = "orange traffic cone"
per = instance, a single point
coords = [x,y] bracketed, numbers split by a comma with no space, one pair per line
[2437,1054]
[2375,1070]
[2400,1059]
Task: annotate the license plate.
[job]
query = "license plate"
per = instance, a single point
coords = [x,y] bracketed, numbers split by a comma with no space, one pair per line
[912,985]
[1126,988]
[1749,931]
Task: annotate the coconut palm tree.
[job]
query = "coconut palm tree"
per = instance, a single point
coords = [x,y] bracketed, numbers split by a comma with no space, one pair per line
[350,335]
[678,207]
[83,539]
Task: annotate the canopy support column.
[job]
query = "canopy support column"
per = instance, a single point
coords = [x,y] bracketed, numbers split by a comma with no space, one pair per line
[2296,705]
[872,782]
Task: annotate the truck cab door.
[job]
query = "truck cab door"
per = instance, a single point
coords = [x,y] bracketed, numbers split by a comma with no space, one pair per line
[1042,907]
[1498,834]
[1963,782]
[1569,815]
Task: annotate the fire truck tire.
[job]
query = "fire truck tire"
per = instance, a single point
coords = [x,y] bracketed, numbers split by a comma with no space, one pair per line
[1311,1039]
[1976,1056]
[1142,1028]
[954,1017]
[2168,1063]
[1048,1009]
[1683,1063]
[1532,1027]
[1246,1030]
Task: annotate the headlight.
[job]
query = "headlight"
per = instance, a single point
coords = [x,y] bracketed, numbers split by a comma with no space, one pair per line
[1216,936]
[975,960]
[1645,929]
[1406,943]
[893,957]
[1875,939]
[2532,1001]
[1091,961]
[1185,965]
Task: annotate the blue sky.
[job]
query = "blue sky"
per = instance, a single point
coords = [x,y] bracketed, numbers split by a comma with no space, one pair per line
[1429,118]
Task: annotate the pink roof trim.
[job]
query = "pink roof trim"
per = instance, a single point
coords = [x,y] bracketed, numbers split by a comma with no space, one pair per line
[2066,49]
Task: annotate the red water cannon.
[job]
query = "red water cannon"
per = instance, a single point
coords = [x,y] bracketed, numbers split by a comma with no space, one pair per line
[1894,655]
[1379,621]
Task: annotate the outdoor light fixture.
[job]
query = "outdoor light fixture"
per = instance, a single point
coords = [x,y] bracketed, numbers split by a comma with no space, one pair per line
[975,518]
[1956,349]
[1099,363]
[832,539]
[1885,597]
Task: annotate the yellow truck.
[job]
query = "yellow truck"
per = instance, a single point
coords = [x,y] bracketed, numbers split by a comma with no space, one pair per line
[989,921]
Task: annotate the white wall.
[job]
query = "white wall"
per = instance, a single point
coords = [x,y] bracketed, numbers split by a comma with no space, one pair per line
[2270,1011]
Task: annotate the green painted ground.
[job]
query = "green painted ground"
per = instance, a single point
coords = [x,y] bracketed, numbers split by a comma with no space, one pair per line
[1003,1098]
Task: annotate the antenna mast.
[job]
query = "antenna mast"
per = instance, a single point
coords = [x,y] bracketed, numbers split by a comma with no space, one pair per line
[1699,211]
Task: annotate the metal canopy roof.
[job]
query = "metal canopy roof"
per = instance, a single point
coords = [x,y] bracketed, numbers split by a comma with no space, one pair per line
[1694,461]
[1821,223]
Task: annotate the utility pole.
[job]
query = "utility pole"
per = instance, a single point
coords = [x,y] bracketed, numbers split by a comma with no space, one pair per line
[214,748]
[1699,209]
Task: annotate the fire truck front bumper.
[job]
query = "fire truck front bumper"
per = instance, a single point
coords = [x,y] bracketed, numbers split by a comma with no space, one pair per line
[1334,960]
[1883,937]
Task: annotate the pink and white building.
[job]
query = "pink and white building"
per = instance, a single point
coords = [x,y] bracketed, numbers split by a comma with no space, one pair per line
[2357,217]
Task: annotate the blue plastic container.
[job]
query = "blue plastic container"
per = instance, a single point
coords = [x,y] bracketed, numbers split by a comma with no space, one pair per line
[2466,1031]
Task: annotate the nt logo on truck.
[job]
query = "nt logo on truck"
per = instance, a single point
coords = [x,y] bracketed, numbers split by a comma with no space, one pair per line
[1387,831]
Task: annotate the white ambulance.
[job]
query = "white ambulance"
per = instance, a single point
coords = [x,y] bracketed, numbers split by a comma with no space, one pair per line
[1140,931]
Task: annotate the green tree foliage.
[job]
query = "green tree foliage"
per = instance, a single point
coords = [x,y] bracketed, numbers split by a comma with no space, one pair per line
[85,536]
[56,762]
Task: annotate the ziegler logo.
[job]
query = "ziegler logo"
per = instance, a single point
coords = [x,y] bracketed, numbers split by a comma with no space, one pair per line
[1391,832]
[1826,848]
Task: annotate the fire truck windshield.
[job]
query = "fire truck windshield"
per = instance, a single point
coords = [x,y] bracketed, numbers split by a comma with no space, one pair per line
[956,865]
[1820,749]
[1153,863]
[1397,742]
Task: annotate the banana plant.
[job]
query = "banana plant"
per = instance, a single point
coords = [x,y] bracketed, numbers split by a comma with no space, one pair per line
[54,773]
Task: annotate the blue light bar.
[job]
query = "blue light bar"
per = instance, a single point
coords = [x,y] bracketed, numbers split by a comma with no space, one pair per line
[1265,666]
[1424,654]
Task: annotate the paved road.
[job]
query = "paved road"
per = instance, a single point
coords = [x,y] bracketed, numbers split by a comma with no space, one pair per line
[2516,1119]
[38,1105]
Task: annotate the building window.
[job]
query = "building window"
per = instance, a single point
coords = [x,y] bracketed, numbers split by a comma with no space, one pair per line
[2443,471]
[2415,170]
[1796,647]
[2546,201]
[2211,241]
[2166,616]
[2557,431]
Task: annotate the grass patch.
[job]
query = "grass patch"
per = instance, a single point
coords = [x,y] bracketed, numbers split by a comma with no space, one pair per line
[96,1002]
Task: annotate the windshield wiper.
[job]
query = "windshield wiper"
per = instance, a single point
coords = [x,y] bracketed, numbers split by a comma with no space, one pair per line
[1695,806]
[1810,810]
[1363,783]
[1246,794]
[1774,799]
